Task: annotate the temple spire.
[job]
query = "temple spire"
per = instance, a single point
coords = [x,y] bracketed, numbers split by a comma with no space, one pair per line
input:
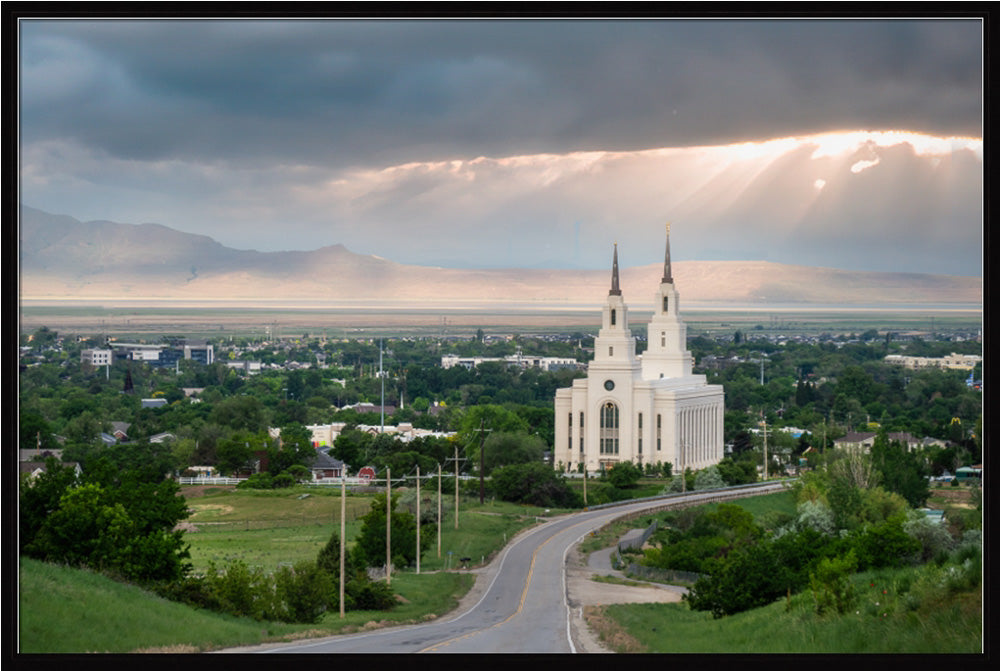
[667,277]
[615,290]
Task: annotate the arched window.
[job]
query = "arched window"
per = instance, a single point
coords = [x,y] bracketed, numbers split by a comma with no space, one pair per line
[609,428]
[613,312]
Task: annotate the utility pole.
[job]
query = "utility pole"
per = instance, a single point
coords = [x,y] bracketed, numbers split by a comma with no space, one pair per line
[439,511]
[456,460]
[418,520]
[763,423]
[388,524]
[482,461]
[683,474]
[382,378]
[343,534]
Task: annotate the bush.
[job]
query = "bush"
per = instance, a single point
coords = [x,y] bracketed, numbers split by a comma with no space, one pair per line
[831,583]
[624,475]
[257,481]
[533,483]
[403,539]
[885,544]
[817,516]
[749,577]
[709,478]
[239,590]
[934,538]
[369,595]
[303,592]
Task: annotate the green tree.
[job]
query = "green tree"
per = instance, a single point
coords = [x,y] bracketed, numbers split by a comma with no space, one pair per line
[504,448]
[534,483]
[488,417]
[303,591]
[624,475]
[403,535]
[294,448]
[748,577]
[34,432]
[237,452]
[901,471]
[831,583]
[352,447]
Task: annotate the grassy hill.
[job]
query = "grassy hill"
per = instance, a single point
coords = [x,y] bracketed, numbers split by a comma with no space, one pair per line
[890,617]
[65,610]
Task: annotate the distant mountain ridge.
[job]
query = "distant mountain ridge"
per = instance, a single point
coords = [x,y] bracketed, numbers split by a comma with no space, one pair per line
[62,258]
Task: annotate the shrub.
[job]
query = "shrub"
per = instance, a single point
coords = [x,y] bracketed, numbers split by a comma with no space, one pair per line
[748,577]
[817,516]
[831,583]
[303,592]
[624,475]
[934,538]
[885,544]
[257,481]
[369,595]
[533,483]
[403,539]
[709,478]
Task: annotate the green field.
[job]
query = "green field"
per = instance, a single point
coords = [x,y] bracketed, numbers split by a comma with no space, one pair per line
[141,321]
[268,528]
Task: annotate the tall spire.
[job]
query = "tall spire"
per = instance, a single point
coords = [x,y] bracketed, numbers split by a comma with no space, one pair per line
[615,290]
[667,278]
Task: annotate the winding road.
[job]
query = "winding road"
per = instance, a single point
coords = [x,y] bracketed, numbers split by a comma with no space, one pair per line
[524,607]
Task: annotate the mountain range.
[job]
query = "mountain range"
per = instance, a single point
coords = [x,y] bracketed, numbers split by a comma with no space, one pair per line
[63,259]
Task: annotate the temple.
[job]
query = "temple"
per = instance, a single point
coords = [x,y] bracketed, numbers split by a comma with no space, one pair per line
[647,408]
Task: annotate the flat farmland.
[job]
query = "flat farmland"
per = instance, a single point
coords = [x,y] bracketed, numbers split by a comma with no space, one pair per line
[393,319]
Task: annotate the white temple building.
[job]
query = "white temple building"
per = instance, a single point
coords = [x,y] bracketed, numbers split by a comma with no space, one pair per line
[648,408]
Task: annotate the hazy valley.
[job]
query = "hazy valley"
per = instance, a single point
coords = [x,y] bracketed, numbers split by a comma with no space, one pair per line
[65,260]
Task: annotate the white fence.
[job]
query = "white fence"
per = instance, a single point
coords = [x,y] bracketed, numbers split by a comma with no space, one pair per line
[235,481]
[210,481]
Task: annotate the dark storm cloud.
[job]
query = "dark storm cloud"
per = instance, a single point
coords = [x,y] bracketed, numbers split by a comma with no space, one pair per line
[342,93]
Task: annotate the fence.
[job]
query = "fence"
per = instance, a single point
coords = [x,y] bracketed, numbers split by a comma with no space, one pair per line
[209,481]
[637,538]
[661,574]
[351,482]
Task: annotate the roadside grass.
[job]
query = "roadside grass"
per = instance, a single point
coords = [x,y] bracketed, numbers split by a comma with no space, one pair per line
[66,610]
[482,532]
[893,621]
[421,598]
[73,610]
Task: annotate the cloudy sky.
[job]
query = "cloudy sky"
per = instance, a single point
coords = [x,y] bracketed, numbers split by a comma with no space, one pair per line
[519,143]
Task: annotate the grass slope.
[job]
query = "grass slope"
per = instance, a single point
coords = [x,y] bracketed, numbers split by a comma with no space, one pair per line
[65,610]
[880,623]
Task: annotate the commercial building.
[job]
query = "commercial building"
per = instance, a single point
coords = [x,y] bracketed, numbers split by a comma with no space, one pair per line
[952,361]
[546,363]
[96,357]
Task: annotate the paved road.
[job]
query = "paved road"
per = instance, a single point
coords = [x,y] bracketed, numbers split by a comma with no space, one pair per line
[523,610]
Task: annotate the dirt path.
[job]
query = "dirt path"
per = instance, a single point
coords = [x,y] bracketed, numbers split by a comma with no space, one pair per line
[586,595]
